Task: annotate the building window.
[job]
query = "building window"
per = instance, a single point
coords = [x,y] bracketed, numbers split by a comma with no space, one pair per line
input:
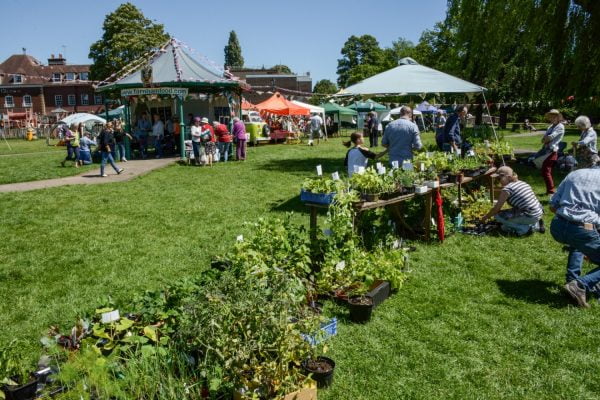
[56,77]
[98,99]
[9,102]
[71,100]
[27,101]
[58,100]
[70,76]
[85,99]
[16,78]
[84,76]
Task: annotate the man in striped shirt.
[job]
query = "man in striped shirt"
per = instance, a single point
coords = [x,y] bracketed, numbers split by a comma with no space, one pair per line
[526,213]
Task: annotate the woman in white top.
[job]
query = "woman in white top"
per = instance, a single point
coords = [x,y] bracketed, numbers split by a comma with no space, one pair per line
[550,141]
[196,131]
[358,156]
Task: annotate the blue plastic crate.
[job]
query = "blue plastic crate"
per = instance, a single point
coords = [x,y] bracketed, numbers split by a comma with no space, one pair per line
[328,329]
[316,198]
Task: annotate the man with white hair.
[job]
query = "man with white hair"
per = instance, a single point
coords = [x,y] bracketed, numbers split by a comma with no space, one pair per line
[401,137]
[576,204]
[588,136]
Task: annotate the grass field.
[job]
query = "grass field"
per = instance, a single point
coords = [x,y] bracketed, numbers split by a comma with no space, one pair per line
[33,161]
[479,318]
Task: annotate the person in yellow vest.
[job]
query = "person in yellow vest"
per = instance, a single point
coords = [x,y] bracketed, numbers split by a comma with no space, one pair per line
[72,139]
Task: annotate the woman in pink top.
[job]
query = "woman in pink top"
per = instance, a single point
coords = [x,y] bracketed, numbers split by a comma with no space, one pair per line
[240,136]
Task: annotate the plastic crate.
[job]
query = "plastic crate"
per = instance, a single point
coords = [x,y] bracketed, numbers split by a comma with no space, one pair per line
[328,329]
[316,198]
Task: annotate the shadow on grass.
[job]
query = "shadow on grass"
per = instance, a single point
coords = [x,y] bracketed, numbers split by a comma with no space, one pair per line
[534,291]
[302,166]
[292,204]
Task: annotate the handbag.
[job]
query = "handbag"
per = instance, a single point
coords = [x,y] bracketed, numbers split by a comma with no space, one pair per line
[539,159]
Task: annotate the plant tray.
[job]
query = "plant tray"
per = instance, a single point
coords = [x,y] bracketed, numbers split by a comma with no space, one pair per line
[25,392]
[480,230]
[379,291]
[328,329]
[316,198]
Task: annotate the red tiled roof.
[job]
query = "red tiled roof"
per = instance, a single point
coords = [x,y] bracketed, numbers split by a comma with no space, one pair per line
[33,70]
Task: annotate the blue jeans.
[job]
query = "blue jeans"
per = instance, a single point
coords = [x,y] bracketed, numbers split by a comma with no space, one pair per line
[85,156]
[197,149]
[224,149]
[515,222]
[581,242]
[107,156]
[121,148]
[158,146]
[72,153]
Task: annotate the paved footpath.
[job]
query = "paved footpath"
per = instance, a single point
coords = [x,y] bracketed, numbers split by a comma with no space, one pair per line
[133,169]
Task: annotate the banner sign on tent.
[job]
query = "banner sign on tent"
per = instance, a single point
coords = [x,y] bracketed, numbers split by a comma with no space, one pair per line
[165,91]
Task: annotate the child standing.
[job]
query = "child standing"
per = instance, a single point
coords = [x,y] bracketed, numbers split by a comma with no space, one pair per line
[358,156]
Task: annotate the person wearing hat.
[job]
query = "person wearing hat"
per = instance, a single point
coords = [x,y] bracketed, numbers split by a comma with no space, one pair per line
[550,141]
[576,205]
[196,131]
[526,213]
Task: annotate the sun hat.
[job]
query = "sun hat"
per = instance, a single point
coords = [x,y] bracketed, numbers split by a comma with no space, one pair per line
[553,112]
[505,171]
[205,120]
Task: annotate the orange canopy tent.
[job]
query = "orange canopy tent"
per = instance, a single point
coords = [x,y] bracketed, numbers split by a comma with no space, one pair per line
[246,105]
[277,104]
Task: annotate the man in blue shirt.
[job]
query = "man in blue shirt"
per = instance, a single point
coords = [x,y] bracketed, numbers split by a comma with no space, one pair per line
[452,137]
[576,204]
[401,137]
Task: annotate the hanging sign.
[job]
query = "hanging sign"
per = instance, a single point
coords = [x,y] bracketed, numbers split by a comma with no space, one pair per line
[163,91]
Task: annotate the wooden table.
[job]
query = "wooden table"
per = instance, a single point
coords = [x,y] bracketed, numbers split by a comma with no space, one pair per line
[394,203]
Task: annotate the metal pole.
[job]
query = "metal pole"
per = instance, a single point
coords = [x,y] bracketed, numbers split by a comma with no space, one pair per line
[181,129]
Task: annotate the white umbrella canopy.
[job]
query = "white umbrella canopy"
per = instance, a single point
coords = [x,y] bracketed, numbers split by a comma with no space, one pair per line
[411,78]
[82,117]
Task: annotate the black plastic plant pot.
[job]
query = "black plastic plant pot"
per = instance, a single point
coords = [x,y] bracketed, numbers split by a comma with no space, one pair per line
[361,308]
[370,197]
[322,369]
[25,392]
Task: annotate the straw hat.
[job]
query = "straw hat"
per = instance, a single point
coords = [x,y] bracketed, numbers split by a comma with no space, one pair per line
[552,113]
[204,120]
[505,171]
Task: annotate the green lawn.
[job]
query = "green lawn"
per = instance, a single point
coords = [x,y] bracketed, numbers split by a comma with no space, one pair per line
[32,161]
[534,142]
[479,318]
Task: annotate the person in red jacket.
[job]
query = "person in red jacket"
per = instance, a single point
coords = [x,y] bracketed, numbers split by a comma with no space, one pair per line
[224,139]
[209,141]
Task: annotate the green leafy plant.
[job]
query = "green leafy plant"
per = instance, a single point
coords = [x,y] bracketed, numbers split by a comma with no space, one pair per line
[322,185]
[371,182]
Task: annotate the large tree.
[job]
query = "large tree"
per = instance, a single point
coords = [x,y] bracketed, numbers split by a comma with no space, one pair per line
[361,58]
[325,86]
[233,52]
[127,36]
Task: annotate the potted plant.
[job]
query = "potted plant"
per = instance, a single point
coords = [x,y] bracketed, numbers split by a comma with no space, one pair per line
[369,184]
[361,308]
[320,369]
[319,190]
[431,179]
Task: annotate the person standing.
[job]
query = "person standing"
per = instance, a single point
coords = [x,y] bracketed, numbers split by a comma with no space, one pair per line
[158,132]
[358,156]
[209,141]
[144,127]
[223,138]
[120,134]
[196,131]
[588,136]
[72,142]
[316,123]
[452,137]
[440,122]
[576,205]
[550,141]
[526,213]
[373,127]
[240,137]
[401,137]
[106,145]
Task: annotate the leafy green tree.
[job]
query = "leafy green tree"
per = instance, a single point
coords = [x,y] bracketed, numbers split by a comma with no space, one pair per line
[233,52]
[127,36]
[400,49]
[361,58]
[282,69]
[325,86]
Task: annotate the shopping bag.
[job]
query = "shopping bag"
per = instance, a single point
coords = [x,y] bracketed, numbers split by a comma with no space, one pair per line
[539,160]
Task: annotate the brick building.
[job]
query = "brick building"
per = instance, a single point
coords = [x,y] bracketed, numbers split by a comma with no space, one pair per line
[29,88]
[264,80]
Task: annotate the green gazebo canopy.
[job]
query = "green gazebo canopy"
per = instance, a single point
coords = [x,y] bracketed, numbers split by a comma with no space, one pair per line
[333,108]
[368,105]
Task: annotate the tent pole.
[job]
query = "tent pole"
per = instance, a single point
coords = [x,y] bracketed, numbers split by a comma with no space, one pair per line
[181,128]
[493,129]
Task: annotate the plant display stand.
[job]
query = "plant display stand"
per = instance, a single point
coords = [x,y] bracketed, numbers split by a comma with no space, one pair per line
[395,203]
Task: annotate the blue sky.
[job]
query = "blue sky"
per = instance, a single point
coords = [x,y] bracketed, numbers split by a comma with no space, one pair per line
[306,35]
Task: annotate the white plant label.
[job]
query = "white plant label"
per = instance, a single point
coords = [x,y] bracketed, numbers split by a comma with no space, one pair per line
[361,170]
[340,266]
[395,164]
[110,316]
[240,238]
[396,244]
[319,170]
[381,171]
[379,165]
[335,176]
[422,167]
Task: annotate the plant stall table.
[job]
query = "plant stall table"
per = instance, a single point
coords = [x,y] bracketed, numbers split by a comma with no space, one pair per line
[395,202]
